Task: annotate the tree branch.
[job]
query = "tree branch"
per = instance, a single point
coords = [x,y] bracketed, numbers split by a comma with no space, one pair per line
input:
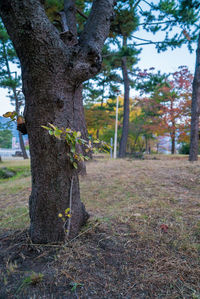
[92,39]
[70,12]
[136,4]
[81,13]
[157,23]
[63,21]
[97,26]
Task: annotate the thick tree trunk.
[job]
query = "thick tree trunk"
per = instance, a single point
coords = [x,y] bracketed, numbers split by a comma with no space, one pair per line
[52,173]
[194,133]
[53,68]
[125,128]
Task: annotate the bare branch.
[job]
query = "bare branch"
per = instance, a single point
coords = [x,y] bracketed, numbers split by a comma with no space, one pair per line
[70,12]
[136,4]
[63,21]
[97,26]
[81,13]
[142,39]
[158,23]
[148,3]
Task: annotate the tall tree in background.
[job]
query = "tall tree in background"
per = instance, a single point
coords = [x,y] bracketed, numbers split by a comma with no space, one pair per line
[7,56]
[195,126]
[181,15]
[54,65]
[124,57]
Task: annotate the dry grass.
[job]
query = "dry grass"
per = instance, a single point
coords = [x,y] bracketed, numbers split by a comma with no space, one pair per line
[142,240]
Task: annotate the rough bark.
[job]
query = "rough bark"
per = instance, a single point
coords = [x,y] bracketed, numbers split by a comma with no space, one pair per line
[194,133]
[53,68]
[125,128]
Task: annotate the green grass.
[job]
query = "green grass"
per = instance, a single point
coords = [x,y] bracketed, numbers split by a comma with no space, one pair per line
[14,218]
[20,169]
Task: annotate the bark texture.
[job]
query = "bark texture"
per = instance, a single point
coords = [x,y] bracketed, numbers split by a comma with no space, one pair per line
[125,129]
[54,66]
[194,133]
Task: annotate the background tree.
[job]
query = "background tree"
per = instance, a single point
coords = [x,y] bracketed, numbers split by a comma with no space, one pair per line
[7,56]
[54,65]
[124,57]
[183,16]
[165,104]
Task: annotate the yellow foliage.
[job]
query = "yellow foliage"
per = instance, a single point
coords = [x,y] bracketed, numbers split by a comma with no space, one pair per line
[101,120]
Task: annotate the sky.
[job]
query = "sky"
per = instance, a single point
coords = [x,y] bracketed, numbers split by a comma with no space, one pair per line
[166,62]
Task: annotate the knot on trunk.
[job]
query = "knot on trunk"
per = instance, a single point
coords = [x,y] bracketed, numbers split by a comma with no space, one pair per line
[95,59]
[68,38]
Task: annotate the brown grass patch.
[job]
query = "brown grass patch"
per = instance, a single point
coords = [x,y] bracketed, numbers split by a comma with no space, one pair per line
[142,240]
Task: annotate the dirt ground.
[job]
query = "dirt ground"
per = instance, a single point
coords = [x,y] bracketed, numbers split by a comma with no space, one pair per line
[142,239]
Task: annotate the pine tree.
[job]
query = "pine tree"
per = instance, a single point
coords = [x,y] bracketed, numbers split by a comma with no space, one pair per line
[182,15]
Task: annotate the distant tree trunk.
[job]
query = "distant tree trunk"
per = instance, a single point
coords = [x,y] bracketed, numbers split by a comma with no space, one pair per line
[173,128]
[157,147]
[17,106]
[173,143]
[22,146]
[97,134]
[125,128]
[149,150]
[146,144]
[53,68]
[194,133]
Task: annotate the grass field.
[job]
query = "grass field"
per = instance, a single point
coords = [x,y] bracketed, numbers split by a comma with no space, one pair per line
[142,239]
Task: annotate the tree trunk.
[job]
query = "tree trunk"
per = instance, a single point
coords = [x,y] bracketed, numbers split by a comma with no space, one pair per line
[22,146]
[173,143]
[125,128]
[146,144]
[97,134]
[53,68]
[194,133]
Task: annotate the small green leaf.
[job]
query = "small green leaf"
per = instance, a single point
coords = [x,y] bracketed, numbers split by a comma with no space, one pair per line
[68,130]
[75,165]
[53,126]
[73,149]
[57,133]
[44,127]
